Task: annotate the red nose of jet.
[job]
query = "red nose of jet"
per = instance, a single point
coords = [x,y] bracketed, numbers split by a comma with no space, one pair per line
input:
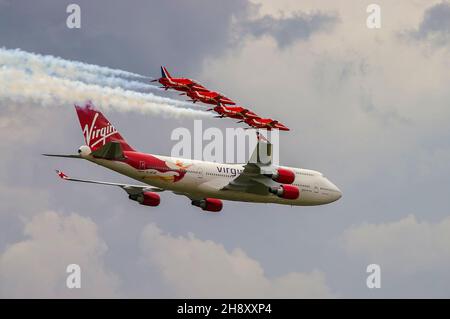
[282,127]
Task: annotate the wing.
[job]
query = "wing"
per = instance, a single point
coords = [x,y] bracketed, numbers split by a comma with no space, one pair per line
[130,189]
[196,86]
[256,176]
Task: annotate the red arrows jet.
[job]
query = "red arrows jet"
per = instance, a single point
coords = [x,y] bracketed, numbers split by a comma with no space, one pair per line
[208,97]
[267,124]
[179,84]
[234,112]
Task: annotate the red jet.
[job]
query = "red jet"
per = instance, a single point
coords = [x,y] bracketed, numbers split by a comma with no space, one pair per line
[234,112]
[267,124]
[208,97]
[179,84]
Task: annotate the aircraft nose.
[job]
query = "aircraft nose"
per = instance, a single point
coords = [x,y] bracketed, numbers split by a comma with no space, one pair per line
[337,194]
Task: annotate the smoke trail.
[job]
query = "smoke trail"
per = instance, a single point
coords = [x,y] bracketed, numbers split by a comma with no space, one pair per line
[47,79]
[17,85]
[49,62]
[78,71]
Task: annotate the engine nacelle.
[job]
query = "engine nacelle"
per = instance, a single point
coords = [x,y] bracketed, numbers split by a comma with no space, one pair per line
[286,191]
[209,204]
[284,176]
[147,198]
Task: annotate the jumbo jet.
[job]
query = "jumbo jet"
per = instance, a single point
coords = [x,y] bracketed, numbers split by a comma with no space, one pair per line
[268,124]
[208,97]
[206,184]
[234,112]
[179,84]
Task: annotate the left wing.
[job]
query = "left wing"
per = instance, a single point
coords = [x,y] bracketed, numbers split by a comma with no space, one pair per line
[135,192]
[130,189]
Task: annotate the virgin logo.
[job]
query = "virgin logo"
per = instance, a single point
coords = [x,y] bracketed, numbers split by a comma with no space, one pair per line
[98,135]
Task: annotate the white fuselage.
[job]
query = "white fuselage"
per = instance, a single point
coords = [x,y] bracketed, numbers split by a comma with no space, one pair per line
[206,179]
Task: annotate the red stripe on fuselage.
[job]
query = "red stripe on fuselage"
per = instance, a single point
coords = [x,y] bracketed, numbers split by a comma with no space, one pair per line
[143,161]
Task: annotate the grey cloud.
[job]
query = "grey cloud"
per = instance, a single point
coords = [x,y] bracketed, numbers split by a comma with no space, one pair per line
[210,271]
[388,116]
[414,255]
[147,33]
[36,266]
[405,246]
[435,26]
[137,36]
[287,30]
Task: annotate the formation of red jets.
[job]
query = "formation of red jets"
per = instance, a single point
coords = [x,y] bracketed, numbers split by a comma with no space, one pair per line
[224,106]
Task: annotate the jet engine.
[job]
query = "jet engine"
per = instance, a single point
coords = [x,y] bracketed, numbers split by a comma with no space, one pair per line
[284,176]
[146,198]
[286,191]
[209,204]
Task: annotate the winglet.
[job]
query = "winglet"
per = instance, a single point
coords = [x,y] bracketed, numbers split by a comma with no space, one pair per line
[61,174]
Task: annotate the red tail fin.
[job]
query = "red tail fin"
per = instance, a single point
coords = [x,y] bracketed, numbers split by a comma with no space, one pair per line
[97,130]
[165,73]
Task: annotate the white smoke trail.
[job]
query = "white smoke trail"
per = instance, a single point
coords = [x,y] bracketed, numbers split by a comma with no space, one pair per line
[48,79]
[17,85]
[90,74]
[49,62]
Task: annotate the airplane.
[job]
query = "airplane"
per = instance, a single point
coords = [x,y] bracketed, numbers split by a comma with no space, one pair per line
[208,97]
[235,112]
[179,84]
[268,124]
[206,184]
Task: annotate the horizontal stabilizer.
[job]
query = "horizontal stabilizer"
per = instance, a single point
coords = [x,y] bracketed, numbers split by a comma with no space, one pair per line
[59,155]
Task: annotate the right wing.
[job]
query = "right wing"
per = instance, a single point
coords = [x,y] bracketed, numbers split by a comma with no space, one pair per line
[256,176]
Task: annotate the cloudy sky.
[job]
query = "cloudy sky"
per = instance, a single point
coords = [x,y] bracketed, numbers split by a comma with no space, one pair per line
[370,108]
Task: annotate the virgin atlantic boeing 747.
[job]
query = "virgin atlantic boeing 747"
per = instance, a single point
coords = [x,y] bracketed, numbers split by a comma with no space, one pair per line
[206,184]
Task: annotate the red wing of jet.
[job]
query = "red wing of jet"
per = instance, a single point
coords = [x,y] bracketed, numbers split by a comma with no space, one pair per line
[228,111]
[223,99]
[267,124]
[207,97]
[249,114]
[252,122]
[194,95]
[197,87]
[235,112]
